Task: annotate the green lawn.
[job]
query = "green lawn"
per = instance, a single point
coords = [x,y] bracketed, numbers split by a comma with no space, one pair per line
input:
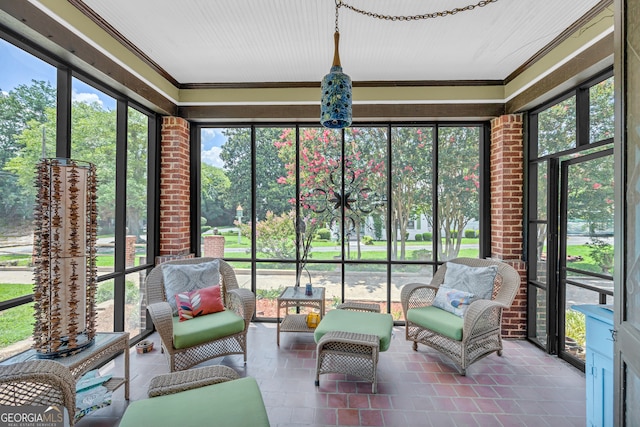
[16,323]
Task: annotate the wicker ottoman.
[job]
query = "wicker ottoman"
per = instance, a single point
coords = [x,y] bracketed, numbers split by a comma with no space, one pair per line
[201,396]
[349,342]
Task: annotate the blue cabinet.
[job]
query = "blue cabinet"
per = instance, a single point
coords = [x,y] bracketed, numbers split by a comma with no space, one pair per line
[599,364]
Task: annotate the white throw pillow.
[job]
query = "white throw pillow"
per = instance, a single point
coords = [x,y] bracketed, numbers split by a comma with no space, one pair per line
[179,278]
[475,280]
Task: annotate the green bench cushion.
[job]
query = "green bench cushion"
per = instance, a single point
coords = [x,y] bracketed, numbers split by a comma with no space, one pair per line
[357,322]
[437,320]
[236,403]
[206,328]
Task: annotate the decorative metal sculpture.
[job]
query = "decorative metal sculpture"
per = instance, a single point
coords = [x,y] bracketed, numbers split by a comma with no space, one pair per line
[65,257]
[346,200]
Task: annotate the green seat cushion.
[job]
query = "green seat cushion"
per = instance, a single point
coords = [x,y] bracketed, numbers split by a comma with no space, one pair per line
[236,403]
[206,328]
[357,322]
[437,320]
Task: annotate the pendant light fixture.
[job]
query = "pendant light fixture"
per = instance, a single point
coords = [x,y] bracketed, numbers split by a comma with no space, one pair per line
[335,107]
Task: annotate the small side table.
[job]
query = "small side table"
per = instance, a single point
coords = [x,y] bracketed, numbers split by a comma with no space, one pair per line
[106,346]
[294,297]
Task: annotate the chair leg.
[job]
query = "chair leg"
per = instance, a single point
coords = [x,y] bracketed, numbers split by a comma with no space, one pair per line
[415,346]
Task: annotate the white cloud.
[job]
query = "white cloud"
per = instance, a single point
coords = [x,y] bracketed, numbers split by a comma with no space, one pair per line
[212,157]
[87,98]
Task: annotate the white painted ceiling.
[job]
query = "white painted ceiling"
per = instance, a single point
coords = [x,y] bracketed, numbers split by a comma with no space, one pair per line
[238,41]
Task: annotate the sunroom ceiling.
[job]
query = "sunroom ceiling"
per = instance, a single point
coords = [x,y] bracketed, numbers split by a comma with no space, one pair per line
[274,41]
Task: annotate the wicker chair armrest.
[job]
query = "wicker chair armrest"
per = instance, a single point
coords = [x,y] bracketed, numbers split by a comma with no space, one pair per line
[243,302]
[349,338]
[480,316]
[38,382]
[176,382]
[359,306]
[162,315]
[416,295]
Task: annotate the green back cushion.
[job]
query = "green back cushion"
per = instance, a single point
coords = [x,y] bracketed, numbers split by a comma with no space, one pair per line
[206,328]
[236,403]
[437,320]
[357,322]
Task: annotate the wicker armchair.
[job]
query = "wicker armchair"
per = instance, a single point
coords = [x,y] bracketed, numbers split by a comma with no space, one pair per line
[38,382]
[481,326]
[240,301]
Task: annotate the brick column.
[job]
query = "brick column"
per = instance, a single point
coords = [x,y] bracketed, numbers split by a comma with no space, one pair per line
[175,224]
[214,246]
[507,190]
[130,251]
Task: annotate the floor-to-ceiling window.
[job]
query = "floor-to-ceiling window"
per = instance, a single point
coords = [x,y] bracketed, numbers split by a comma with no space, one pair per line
[570,216]
[40,101]
[360,211]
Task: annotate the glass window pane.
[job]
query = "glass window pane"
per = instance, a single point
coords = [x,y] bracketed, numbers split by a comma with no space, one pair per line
[27,133]
[541,254]
[105,306]
[93,139]
[458,190]
[366,283]
[402,275]
[320,176]
[275,193]
[601,111]
[557,127]
[411,197]
[543,182]
[135,313]
[16,329]
[137,179]
[226,187]
[541,320]
[272,278]
[365,193]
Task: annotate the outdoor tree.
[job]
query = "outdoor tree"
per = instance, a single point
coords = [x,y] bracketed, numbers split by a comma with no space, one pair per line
[214,195]
[93,140]
[236,154]
[458,186]
[24,104]
[411,176]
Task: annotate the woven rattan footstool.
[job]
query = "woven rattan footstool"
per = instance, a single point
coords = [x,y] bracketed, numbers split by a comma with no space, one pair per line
[210,395]
[350,340]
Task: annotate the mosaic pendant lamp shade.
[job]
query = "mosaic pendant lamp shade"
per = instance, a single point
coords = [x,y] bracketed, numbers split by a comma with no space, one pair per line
[335,107]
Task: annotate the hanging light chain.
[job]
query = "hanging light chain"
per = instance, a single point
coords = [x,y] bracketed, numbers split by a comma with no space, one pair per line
[340,3]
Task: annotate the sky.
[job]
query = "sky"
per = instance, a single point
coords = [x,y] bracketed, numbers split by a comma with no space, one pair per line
[18,67]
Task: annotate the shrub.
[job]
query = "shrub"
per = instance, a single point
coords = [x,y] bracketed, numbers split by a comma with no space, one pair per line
[427,236]
[453,234]
[420,255]
[418,237]
[602,253]
[470,234]
[367,240]
[324,234]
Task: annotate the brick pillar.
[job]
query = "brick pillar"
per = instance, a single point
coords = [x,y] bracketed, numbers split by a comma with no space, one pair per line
[214,246]
[175,224]
[507,190]
[130,251]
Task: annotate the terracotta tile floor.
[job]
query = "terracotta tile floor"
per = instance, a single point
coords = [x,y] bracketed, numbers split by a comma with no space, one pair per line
[524,387]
